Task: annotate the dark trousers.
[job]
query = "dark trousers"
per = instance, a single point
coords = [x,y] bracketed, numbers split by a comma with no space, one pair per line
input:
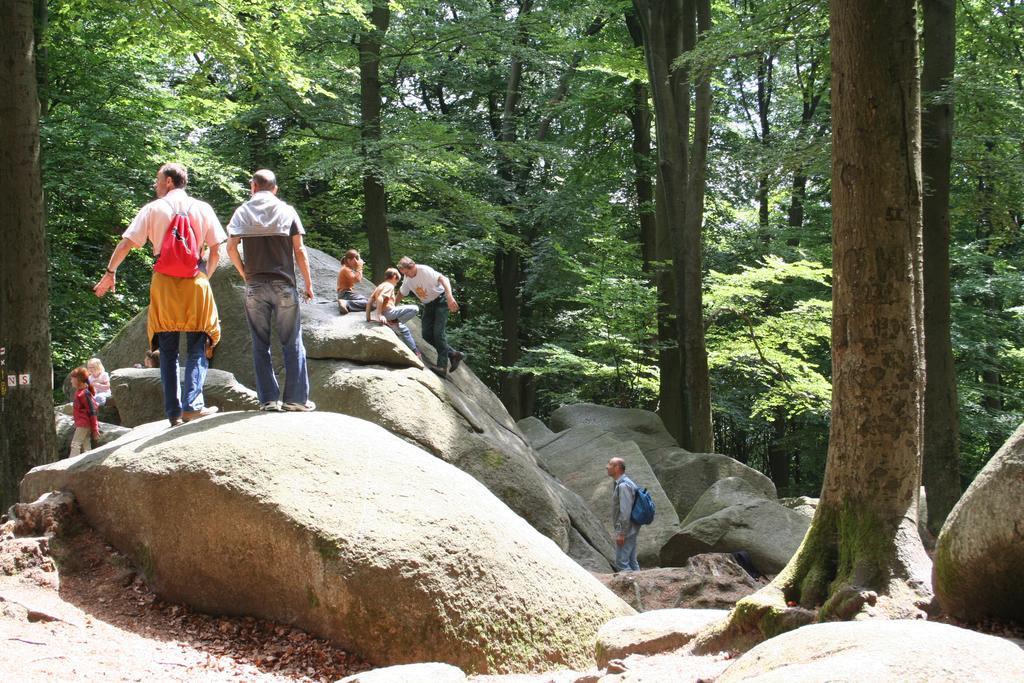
[435,329]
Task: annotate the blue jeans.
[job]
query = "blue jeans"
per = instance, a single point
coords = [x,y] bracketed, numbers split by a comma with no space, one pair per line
[353,302]
[399,314]
[625,554]
[262,300]
[435,327]
[196,365]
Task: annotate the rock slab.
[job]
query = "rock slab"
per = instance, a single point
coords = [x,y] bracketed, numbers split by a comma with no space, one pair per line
[732,516]
[881,652]
[979,556]
[339,527]
[652,632]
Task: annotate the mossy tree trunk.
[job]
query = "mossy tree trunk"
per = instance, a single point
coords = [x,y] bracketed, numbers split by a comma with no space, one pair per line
[375,200]
[27,434]
[862,553]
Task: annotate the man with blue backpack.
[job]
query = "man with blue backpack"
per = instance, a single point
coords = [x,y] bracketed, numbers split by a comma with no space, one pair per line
[631,508]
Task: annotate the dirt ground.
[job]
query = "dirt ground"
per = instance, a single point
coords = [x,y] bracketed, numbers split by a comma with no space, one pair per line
[78,611]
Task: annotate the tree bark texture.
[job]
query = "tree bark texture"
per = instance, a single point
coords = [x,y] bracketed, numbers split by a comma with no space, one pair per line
[670,29]
[941,472]
[375,204]
[862,554]
[27,434]
[864,534]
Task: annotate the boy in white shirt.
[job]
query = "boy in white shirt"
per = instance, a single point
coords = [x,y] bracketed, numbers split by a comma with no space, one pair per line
[429,286]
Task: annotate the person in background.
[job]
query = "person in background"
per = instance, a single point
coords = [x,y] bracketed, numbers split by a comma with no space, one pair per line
[99,379]
[351,273]
[626,532]
[429,285]
[382,307]
[84,412]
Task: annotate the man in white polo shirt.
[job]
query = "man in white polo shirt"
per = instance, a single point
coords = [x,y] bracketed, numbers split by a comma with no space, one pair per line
[429,286]
[176,304]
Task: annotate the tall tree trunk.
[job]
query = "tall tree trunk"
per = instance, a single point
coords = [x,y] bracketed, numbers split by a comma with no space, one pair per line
[508,271]
[375,204]
[27,435]
[670,29]
[941,472]
[862,553]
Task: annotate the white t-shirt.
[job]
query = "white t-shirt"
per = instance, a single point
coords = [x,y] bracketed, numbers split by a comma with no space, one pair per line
[152,221]
[424,284]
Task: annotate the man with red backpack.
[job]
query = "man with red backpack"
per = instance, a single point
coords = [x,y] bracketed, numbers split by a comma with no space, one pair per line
[180,298]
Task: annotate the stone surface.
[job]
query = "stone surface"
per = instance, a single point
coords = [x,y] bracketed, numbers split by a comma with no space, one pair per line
[65,425]
[459,419]
[733,515]
[337,526]
[686,476]
[642,427]
[535,431]
[578,457]
[979,555]
[805,505]
[709,581]
[140,398]
[652,632]
[434,672]
[881,652]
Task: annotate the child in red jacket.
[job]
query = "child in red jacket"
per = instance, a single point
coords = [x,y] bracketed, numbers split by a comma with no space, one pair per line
[86,423]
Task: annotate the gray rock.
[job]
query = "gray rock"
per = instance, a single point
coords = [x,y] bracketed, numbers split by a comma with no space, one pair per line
[686,476]
[805,505]
[642,427]
[410,673]
[980,550]
[733,515]
[652,632]
[881,652]
[65,424]
[458,419]
[140,398]
[578,457]
[709,581]
[337,526]
[535,431]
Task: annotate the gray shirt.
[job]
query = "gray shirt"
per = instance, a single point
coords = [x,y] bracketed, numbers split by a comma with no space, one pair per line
[266,225]
[623,495]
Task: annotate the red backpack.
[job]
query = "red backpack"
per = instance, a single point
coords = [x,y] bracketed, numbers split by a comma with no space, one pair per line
[179,252]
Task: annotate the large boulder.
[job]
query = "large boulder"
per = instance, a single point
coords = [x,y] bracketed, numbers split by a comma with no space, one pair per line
[578,458]
[686,476]
[365,370]
[980,551]
[642,427]
[710,581]
[140,395]
[335,525]
[881,652]
[731,516]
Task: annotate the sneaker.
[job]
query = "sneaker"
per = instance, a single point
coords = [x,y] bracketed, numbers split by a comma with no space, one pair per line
[190,415]
[456,358]
[342,306]
[271,407]
[306,407]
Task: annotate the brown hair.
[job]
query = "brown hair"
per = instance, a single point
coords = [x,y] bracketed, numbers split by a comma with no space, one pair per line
[176,172]
[405,262]
[83,376]
[392,273]
[350,255]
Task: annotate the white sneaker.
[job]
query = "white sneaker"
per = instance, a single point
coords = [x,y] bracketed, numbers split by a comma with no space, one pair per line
[271,407]
[306,407]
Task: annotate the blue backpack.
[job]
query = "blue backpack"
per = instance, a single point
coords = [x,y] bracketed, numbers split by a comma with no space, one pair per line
[643,507]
